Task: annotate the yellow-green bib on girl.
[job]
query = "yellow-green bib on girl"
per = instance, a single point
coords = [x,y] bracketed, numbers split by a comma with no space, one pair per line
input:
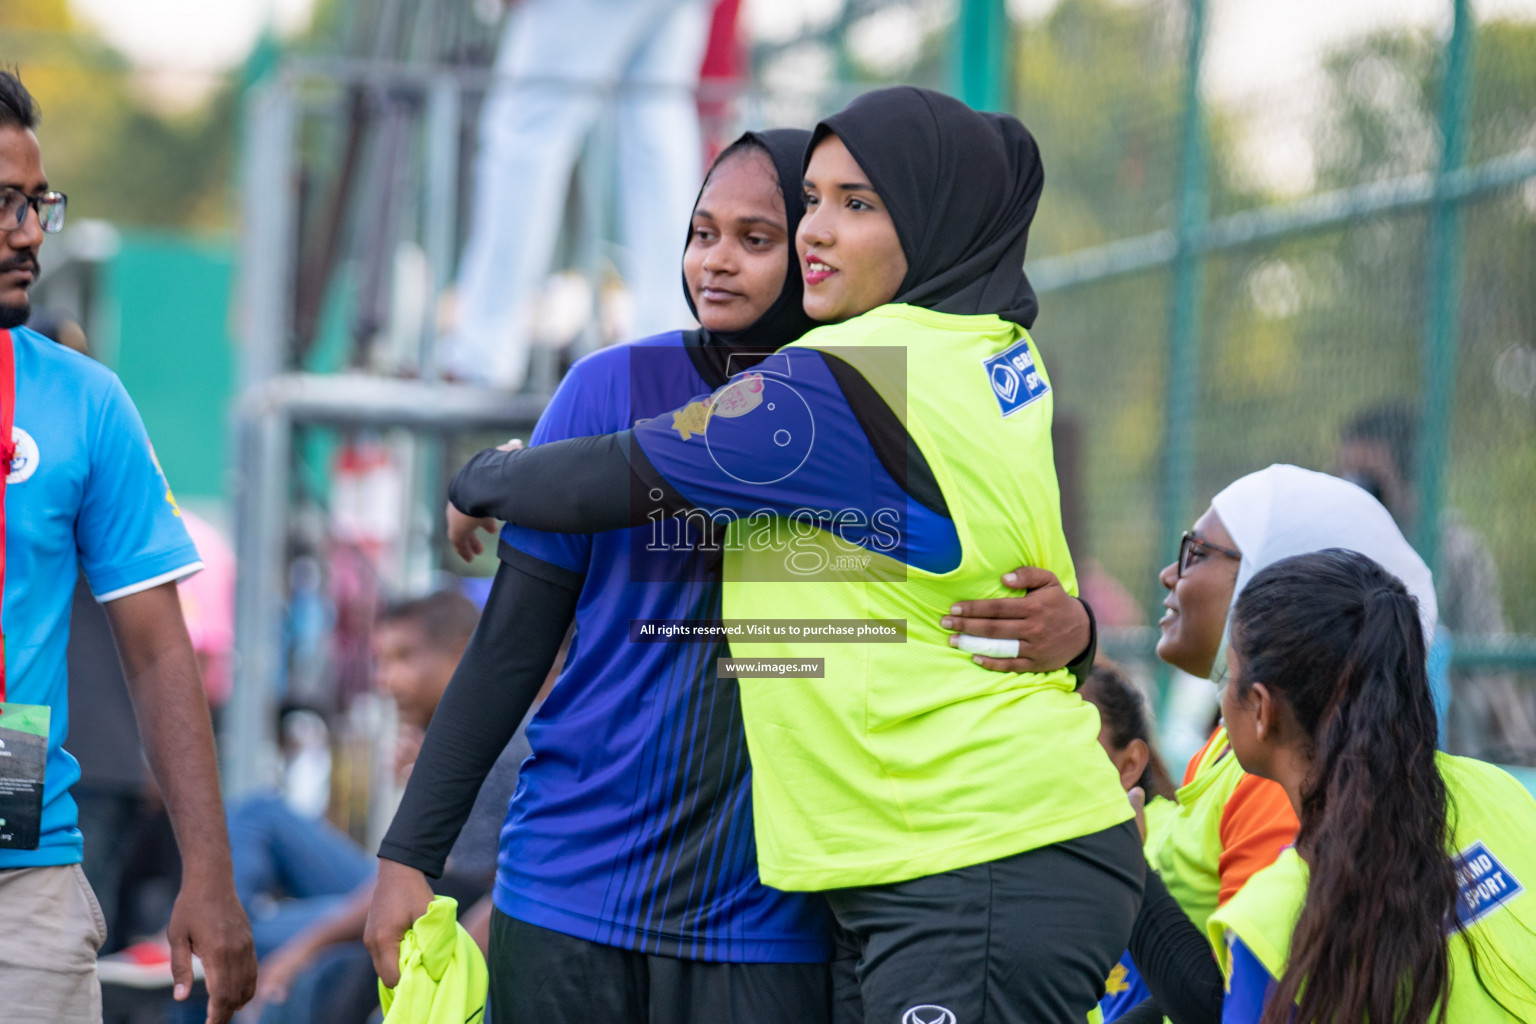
[1494,835]
[1186,851]
[908,759]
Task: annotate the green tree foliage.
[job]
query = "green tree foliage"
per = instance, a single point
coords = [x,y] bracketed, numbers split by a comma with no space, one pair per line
[1098,83]
[105,142]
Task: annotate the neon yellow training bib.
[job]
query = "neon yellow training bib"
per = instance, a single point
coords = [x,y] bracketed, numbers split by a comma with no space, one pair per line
[909,759]
[1186,850]
[1494,834]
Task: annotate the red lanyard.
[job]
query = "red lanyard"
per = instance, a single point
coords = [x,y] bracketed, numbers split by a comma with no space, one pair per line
[7,452]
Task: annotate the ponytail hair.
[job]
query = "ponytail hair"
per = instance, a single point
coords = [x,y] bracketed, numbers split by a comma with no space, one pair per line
[1124,710]
[1338,639]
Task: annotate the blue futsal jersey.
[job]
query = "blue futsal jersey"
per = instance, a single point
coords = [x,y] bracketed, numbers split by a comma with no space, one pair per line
[632,821]
[1124,991]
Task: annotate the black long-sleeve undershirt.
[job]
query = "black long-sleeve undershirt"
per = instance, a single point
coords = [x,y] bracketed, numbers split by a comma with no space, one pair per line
[1081,665]
[593,484]
[1175,959]
[531,605]
[578,485]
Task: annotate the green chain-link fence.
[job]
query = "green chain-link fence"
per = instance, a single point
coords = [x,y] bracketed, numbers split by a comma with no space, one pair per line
[1230,280]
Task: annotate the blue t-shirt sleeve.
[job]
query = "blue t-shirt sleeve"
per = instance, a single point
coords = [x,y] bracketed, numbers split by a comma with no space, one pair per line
[1248,986]
[582,406]
[782,439]
[129,531]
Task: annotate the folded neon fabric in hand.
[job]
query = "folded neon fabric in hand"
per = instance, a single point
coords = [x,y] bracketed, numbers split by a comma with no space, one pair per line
[443,979]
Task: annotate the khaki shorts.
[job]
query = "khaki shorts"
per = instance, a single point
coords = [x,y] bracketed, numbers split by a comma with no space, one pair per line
[50,929]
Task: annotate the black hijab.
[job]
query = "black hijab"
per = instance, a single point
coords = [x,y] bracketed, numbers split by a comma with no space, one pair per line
[785,320]
[962,188]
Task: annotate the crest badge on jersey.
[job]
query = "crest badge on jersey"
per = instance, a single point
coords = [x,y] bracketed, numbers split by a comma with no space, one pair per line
[732,401]
[26,458]
[1016,380]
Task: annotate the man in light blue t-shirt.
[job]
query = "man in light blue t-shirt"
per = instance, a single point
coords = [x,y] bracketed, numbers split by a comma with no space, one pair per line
[84,491]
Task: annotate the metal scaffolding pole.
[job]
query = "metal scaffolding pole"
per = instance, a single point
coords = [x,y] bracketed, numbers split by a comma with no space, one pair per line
[440,210]
[260,484]
[276,403]
[267,417]
[250,740]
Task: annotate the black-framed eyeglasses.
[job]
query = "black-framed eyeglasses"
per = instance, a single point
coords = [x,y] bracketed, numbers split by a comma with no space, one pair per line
[49,206]
[1191,544]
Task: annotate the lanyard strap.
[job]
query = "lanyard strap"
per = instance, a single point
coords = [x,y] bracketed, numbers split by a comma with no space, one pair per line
[7,453]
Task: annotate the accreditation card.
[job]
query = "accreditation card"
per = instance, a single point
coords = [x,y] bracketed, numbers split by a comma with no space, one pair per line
[23,757]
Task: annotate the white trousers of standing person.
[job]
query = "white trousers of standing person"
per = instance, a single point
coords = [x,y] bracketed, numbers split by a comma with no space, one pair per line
[561,62]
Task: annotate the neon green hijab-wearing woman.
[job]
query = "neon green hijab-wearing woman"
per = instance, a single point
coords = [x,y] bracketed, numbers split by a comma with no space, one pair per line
[972,838]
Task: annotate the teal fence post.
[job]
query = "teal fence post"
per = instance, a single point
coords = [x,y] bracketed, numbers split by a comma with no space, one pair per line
[979,58]
[1438,359]
[1182,386]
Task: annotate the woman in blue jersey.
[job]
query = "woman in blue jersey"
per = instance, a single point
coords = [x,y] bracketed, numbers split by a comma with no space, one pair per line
[972,838]
[1405,896]
[628,888]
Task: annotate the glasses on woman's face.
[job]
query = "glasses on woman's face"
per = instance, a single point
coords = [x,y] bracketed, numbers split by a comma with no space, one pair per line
[49,206]
[1192,548]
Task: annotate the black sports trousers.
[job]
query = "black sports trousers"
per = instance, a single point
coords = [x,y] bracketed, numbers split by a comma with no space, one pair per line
[539,976]
[1027,939]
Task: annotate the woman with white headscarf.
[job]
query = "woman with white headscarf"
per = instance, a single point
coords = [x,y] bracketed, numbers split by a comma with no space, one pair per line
[1228,824]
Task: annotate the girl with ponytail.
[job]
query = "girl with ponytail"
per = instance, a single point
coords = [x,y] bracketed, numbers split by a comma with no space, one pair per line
[1404,897]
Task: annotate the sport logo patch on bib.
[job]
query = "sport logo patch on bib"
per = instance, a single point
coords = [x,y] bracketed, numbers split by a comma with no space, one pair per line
[1484,884]
[1015,380]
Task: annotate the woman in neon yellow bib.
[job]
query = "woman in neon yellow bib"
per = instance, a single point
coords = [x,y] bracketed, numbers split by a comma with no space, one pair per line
[1405,898]
[1231,824]
[1228,824]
